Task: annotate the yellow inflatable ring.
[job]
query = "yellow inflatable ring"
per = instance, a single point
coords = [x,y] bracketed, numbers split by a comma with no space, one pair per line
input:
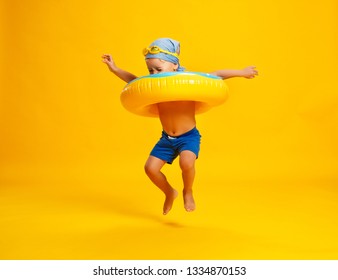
[141,95]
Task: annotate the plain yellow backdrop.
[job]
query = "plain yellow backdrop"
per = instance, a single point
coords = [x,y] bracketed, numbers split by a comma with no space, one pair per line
[72,184]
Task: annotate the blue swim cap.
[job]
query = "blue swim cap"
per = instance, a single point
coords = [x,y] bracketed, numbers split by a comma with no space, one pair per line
[169,45]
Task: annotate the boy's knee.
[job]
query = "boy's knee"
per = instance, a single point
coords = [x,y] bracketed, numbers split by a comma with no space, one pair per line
[187,163]
[147,169]
[150,169]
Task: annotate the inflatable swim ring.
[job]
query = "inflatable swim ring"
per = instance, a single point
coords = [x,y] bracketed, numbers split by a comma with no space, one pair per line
[141,95]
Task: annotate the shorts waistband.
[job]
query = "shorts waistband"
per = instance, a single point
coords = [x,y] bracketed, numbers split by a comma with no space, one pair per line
[179,136]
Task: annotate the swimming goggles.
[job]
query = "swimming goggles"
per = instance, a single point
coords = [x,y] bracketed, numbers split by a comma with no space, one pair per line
[156,50]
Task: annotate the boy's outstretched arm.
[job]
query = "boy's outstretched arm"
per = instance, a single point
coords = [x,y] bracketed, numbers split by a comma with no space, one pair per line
[247,72]
[122,74]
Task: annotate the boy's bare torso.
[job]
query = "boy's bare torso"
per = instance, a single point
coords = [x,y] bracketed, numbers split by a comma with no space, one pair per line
[177,117]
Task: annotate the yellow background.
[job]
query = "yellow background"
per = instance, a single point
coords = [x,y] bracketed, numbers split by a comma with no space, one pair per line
[71,158]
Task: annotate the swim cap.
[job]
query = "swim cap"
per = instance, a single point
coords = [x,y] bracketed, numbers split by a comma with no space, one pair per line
[169,45]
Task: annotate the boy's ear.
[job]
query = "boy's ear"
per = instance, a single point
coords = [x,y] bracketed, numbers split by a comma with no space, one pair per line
[175,67]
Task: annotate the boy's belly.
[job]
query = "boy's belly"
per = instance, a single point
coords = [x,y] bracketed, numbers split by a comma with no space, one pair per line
[177,117]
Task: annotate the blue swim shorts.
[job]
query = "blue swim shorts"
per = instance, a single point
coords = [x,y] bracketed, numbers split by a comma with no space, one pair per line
[169,147]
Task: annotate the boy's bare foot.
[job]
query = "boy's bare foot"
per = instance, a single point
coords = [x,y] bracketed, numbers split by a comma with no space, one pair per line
[169,200]
[189,202]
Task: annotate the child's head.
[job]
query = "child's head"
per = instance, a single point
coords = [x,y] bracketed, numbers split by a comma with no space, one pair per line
[163,56]
[156,65]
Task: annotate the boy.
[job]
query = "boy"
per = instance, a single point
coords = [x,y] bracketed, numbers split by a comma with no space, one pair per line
[179,136]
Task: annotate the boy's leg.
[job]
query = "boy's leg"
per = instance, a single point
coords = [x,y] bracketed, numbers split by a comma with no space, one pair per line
[153,168]
[187,164]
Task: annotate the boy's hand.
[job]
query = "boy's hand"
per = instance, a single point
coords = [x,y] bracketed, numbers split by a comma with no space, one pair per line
[107,59]
[249,72]
[122,74]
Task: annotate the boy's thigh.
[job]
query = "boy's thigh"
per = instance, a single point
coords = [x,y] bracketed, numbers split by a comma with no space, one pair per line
[191,145]
[164,151]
